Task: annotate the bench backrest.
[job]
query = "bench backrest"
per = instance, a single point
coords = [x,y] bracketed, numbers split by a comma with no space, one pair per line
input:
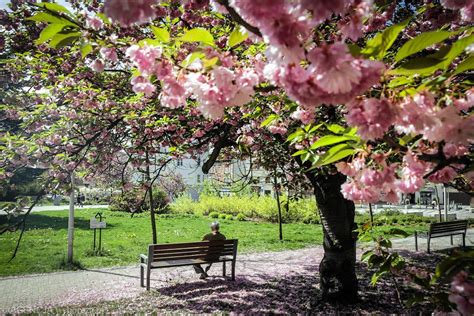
[448,227]
[207,250]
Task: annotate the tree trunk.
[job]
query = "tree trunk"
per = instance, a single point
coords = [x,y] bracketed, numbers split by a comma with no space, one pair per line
[337,268]
[70,223]
[371,215]
[277,193]
[150,197]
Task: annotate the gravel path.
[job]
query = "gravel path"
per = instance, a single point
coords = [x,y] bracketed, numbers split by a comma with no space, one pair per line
[275,282]
[26,293]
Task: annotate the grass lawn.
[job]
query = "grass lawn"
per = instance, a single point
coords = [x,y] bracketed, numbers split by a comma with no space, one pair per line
[44,244]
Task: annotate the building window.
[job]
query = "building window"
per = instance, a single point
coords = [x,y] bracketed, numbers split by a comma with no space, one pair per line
[198,161]
[198,178]
[179,162]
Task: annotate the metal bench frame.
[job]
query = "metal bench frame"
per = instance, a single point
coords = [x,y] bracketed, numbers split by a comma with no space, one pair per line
[444,229]
[186,254]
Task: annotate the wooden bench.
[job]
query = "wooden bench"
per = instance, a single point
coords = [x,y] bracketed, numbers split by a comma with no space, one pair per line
[187,254]
[444,229]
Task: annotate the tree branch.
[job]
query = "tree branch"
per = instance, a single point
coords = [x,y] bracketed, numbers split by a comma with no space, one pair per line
[237,18]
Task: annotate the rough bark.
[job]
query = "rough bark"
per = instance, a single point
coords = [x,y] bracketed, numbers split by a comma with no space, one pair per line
[277,194]
[337,268]
[150,197]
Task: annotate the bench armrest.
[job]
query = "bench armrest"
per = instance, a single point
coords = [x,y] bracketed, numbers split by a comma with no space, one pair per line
[143,258]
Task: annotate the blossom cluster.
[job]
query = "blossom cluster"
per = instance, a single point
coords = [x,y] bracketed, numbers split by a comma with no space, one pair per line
[466,8]
[333,76]
[462,293]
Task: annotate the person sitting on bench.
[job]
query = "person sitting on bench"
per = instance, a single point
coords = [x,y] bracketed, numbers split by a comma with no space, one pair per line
[214,235]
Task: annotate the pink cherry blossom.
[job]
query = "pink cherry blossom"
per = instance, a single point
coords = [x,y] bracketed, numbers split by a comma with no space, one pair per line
[94,23]
[452,150]
[306,117]
[173,94]
[462,295]
[372,117]
[109,54]
[97,65]
[444,175]
[277,129]
[127,12]
[143,85]
[144,58]
[454,4]
[321,10]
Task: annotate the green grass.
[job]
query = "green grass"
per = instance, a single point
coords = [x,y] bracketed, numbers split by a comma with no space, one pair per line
[44,244]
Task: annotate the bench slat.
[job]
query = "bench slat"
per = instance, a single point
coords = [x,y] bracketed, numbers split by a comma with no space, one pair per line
[198,256]
[193,244]
[452,227]
[191,249]
[195,253]
[184,262]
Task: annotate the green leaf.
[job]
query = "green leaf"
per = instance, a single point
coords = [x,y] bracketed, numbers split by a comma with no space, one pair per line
[440,60]
[198,35]
[86,49]
[354,50]
[366,255]
[207,63]
[336,153]
[269,120]
[161,34]
[48,32]
[421,42]
[60,40]
[296,136]
[378,45]
[104,18]
[300,152]
[330,140]
[399,81]
[191,58]
[466,64]
[53,7]
[336,129]
[237,36]
[149,42]
[47,17]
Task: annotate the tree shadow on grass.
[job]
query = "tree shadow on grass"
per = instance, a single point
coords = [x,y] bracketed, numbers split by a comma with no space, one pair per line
[39,221]
[261,293]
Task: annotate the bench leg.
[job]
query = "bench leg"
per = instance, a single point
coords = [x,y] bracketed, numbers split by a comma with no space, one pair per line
[148,272]
[233,270]
[142,273]
[429,239]
[223,269]
[464,241]
[451,240]
[416,241]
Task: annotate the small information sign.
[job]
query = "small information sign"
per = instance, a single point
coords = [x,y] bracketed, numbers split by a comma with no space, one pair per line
[96,224]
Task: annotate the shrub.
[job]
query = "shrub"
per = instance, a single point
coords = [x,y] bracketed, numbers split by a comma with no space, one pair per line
[222,216]
[229,217]
[133,201]
[240,217]
[214,215]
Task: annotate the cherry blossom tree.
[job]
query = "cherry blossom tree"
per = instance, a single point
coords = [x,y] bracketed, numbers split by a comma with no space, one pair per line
[369,99]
